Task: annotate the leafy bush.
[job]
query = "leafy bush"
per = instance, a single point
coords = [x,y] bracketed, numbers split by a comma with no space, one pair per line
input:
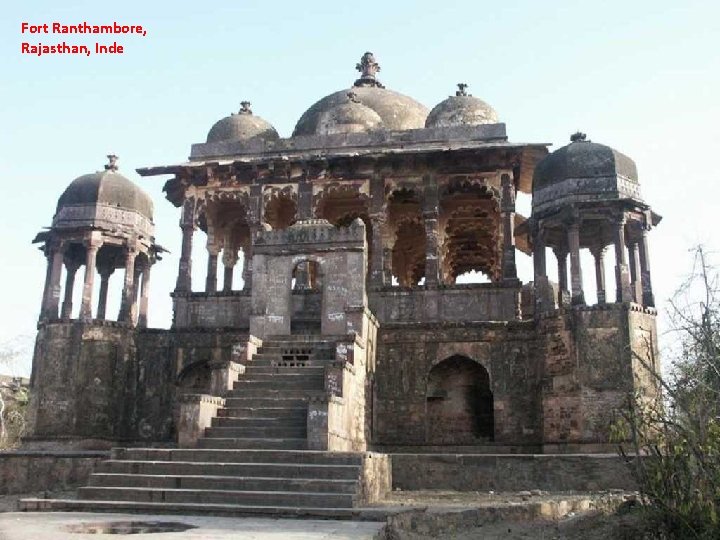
[679,435]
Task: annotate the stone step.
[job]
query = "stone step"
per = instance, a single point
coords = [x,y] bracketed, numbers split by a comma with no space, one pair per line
[298,420]
[268,392]
[280,383]
[72,505]
[263,412]
[238,456]
[231,483]
[243,401]
[262,443]
[316,377]
[252,369]
[265,432]
[264,470]
[207,496]
[277,362]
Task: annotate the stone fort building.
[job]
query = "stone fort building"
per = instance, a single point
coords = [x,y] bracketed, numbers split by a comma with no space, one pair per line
[330,328]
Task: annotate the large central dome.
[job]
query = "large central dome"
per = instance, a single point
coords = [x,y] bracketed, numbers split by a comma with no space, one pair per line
[396,111]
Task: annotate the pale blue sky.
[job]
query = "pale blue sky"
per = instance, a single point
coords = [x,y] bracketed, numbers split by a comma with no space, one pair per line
[641,76]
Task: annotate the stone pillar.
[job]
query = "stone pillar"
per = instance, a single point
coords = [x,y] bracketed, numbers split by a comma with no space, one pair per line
[52,300]
[576,281]
[432,253]
[647,292]
[378,221]
[431,212]
[304,205]
[135,295]
[540,270]
[143,315]
[507,215]
[128,294]
[635,274]
[92,245]
[105,274]
[229,260]
[212,267]
[247,259]
[184,280]
[622,276]
[599,256]
[71,269]
[561,255]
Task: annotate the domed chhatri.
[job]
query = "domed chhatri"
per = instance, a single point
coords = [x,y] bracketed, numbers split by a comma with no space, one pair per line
[396,111]
[106,188]
[243,126]
[349,117]
[462,109]
[584,170]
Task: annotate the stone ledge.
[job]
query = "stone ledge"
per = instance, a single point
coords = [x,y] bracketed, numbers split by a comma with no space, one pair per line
[201,398]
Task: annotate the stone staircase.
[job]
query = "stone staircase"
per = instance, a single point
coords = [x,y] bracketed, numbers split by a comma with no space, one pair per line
[252,460]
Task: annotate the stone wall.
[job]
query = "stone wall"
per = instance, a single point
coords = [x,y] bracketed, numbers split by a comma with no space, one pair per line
[477,302]
[212,310]
[28,472]
[407,353]
[510,472]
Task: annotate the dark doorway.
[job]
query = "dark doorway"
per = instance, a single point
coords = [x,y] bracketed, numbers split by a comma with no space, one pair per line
[459,403]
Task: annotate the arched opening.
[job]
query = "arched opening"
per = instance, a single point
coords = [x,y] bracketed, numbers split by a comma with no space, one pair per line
[459,403]
[280,210]
[408,240]
[306,298]
[194,379]
[470,231]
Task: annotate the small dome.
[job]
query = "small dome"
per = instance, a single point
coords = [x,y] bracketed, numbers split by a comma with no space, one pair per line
[349,117]
[106,187]
[243,126]
[583,159]
[584,171]
[462,109]
[396,111]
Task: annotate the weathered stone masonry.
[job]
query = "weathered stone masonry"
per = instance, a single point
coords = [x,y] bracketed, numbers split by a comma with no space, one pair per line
[350,236]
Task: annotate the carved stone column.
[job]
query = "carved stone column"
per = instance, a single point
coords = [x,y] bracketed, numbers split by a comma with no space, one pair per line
[647,292]
[247,259]
[184,279]
[622,276]
[71,268]
[507,215]
[378,222]
[55,264]
[635,274]
[599,256]
[92,245]
[304,205]
[431,212]
[128,294]
[576,280]
[229,259]
[144,294]
[561,254]
[212,268]
[539,267]
[105,274]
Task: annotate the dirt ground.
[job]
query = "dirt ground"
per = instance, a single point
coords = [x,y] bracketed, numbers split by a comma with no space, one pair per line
[602,524]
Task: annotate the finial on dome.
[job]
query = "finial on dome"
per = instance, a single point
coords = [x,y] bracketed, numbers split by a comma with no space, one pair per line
[352,97]
[578,136]
[368,68]
[462,89]
[112,163]
[245,108]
